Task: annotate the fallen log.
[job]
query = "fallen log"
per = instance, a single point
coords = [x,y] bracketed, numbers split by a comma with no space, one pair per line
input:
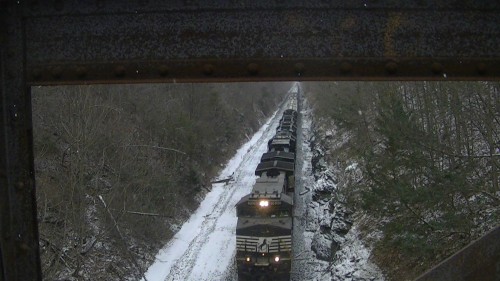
[223,180]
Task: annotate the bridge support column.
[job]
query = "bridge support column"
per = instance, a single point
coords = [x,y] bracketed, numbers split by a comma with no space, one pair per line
[19,250]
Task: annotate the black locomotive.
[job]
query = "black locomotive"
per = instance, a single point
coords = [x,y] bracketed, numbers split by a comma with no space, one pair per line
[265,221]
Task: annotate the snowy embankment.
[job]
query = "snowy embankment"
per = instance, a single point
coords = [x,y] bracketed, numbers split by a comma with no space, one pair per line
[205,246]
[327,241]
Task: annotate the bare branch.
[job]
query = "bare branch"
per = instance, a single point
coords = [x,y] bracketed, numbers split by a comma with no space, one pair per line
[156,147]
[145,214]
[132,259]
[491,196]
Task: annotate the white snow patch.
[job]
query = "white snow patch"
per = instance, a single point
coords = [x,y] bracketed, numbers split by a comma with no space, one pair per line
[351,167]
[352,260]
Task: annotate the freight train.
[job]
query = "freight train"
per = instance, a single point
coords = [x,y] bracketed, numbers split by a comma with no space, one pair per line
[265,215]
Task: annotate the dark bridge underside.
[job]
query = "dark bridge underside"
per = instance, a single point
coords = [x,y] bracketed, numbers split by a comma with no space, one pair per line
[116,41]
[108,41]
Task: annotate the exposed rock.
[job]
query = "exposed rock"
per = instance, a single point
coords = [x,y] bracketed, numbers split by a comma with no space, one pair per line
[322,246]
[335,239]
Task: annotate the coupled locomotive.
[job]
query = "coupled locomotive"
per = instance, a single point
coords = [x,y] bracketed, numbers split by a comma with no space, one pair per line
[265,216]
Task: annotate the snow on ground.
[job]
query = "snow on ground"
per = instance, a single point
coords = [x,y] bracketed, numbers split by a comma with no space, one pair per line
[205,246]
[351,260]
[305,266]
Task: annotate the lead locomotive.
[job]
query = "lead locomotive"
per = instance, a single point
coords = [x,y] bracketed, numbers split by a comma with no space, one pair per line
[265,221]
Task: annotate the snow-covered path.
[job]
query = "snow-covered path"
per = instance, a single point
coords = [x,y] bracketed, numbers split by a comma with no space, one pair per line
[205,246]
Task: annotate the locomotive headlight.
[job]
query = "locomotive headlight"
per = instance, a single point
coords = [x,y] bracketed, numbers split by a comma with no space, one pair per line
[264,203]
[277,258]
[248,259]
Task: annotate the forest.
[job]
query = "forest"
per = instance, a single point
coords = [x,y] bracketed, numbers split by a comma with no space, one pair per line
[429,155]
[119,168]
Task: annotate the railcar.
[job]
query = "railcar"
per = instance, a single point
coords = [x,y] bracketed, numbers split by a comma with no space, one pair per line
[283,141]
[265,221]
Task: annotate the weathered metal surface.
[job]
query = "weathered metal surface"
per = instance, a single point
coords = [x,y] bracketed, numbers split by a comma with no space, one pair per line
[107,41]
[18,225]
[241,33]
[62,7]
[211,70]
[479,261]
[115,41]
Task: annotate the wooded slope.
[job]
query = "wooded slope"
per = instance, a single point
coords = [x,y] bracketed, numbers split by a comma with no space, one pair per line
[119,168]
[429,154]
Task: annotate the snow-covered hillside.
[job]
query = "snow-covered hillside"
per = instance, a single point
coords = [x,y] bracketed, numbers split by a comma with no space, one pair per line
[327,242]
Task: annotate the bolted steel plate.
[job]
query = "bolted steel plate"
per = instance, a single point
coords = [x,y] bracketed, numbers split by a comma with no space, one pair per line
[111,41]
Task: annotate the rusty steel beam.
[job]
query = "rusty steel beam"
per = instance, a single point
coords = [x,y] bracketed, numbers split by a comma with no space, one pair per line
[211,70]
[479,261]
[108,41]
[116,41]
